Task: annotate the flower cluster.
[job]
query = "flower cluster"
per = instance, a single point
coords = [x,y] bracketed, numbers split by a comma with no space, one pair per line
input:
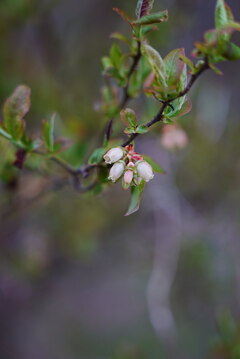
[129,165]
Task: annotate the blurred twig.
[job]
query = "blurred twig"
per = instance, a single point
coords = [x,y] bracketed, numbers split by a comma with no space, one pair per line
[126,96]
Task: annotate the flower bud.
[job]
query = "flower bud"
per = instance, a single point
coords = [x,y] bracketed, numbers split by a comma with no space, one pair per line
[113,155]
[128,176]
[144,170]
[116,171]
[173,137]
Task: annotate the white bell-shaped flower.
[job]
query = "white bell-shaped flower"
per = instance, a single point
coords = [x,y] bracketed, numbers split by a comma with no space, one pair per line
[116,171]
[113,155]
[144,170]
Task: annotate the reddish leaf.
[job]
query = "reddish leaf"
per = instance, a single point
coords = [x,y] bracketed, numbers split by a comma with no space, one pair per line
[144,7]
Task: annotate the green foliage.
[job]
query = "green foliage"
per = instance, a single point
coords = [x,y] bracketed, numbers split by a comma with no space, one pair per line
[217,45]
[156,62]
[136,195]
[156,18]
[48,134]
[131,66]
[227,343]
[129,117]
[156,167]
[97,156]
[14,110]
[223,14]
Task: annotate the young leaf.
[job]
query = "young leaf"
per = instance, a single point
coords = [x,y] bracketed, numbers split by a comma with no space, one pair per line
[230,27]
[188,62]
[215,69]
[231,51]
[136,194]
[144,7]
[123,15]
[129,117]
[179,110]
[115,54]
[97,156]
[142,129]
[221,14]
[155,61]
[129,130]
[106,63]
[229,13]
[156,18]
[14,109]
[47,131]
[155,166]
[174,67]
[5,134]
[120,37]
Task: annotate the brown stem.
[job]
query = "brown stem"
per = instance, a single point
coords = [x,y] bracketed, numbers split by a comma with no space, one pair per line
[75,173]
[136,59]
[126,96]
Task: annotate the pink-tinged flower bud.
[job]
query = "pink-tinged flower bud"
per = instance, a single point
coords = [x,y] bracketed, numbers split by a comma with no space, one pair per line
[128,176]
[144,170]
[173,137]
[113,155]
[131,165]
[116,171]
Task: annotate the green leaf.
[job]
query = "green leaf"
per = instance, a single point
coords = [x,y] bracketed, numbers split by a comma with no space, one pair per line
[155,61]
[120,37]
[146,29]
[129,117]
[97,156]
[14,109]
[136,194]
[144,7]
[188,62]
[230,27]
[174,67]
[5,134]
[155,166]
[106,63]
[179,109]
[48,133]
[221,14]
[129,130]
[141,129]
[215,69]
[231,51]
[115,54]
[156,18]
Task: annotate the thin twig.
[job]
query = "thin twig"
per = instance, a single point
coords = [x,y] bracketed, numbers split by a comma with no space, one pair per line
[136,59]
[126,96]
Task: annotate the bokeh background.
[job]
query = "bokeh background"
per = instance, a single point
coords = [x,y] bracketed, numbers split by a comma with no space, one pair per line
[78,280]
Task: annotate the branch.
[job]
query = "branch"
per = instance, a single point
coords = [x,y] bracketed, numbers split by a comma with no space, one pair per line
[84,171]
[159,117]
[77,174]
[126,96]
[136,59]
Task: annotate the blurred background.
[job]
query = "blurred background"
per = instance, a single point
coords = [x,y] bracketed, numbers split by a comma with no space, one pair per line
[78,280]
